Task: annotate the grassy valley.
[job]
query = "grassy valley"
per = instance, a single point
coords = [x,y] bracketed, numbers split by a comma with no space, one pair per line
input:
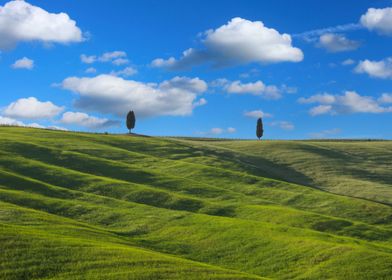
[95,206]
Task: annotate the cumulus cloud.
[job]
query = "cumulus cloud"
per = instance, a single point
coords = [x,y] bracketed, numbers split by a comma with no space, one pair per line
[83,119]
[115,57]
[23,63]
[379,20]
[13,122]
[257,88]
[240,41]
[115,95]
[257,114]
[349,102]
[23,22]
[231,130]
[31,108]
[348,61]
[377,69]
[337,43]
[285,125]
[126,72]
[385,98]
[91,70]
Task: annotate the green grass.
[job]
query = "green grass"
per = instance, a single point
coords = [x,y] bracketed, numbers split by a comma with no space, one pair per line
[93,206]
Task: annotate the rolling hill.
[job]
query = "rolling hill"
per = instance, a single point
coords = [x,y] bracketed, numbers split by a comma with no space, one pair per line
[95,206]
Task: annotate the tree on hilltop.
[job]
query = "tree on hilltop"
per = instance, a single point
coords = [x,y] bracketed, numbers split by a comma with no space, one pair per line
[131,120]
[259,128]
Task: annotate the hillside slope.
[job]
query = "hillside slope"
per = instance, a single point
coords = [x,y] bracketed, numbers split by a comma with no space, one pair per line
[91,206]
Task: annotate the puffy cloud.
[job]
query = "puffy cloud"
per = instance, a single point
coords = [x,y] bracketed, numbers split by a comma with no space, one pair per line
[23,63]
[88,59]
[120,61]
[285,125]
[83,119]
[385,98]
[218,131]
[257,88]
[325,133]
[200,102]
[377,69]
[10,121]
[31,108]
[320,110]
[324,98]
[115,57]
[379,20]
[348,61]
[349,102]
[257,114]
[23,22]
[337,43]
[126,72]
[91,70]
[13,122]
[240,41]
[110,56]
[115,95]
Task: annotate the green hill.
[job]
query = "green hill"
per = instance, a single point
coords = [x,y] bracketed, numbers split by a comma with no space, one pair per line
[94,206]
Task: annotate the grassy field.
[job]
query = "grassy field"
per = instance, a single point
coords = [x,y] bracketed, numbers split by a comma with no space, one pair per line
[94,206]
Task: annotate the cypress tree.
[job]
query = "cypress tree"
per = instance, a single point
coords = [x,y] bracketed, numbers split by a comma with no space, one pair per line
[131,120]
[259,128]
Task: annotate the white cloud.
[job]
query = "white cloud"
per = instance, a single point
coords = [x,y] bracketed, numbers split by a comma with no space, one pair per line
[91,70]
[10,121]
[55,127]
[377,69]
[325,133]
[379,20]
[116,57]
[337,43]
[115,95]
[126,72]
[88,59]
[320,110]
[257,88]
[324,98]
[385,98]
[200,102]
[120,61]
[216,130]
[348,61]
[31,108]
[285,125]
[23,22]
[257,114]
[23,63]
[313,35]
[110,56]
[349,102]
[13,122]
[83,119]
[240,41]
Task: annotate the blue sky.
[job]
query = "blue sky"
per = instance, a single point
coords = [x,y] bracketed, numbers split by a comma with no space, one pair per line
[311,69]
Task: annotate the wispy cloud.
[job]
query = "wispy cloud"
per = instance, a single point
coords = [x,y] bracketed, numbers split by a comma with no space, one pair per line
[313,35]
